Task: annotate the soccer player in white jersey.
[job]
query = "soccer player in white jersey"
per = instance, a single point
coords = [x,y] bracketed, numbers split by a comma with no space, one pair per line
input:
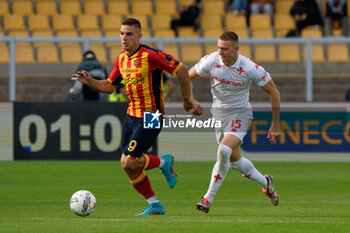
[231,75]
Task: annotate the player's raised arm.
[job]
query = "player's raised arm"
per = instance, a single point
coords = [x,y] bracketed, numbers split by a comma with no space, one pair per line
[275,130]
[193,73]
[98,85]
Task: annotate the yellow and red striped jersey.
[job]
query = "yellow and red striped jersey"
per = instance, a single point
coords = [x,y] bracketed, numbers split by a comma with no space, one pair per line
[142,72]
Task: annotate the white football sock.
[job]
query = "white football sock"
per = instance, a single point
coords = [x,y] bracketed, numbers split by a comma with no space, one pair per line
[161,164]
[219,171]
[247,168]
[152,199]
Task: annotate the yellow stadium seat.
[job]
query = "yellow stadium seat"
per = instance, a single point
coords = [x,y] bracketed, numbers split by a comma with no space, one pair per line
[191,53]
[4,58]
[46,7]
[24,54]
[172,49]
[160,21]
[234,22]
[212,33]
[20,33]
[260,21]
[111,22]
[92,34]
[22,8]
[94,7]
[211,22]
[210,48]
[317,49]
[71,33]
[112,34]
[338,53]
[47,54]
[38,22]
[71,54]
[264,52]
[143,20]
[242,33]
[142,7]
[283,24]
[289,53]
[187,32]
[245,50]
[71,7]
[100,52]
[283,7]
[42,33]
[14,22]
[4,8]
[164,33]
[213,8]
[63,22]
[166,7]
[114,51]
[87,22]
[116,7]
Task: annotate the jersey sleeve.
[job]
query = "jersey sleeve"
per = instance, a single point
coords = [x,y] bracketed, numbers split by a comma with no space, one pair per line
[115,73]
[260,76]
[203,66]
[165,62]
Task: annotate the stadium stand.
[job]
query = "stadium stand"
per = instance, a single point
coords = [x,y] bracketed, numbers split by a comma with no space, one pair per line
[260,21]
[63,22]
[338,53]
[160,22]
[38,22]
[87,22]
[4,58]
[317,49]
[165,7]
[211,7]
[94,7]
[118,7]
[187,32]
[191,53]
[4,8]
[46,7]
[47,54]
[283,24]
[210,22]
[264,52]
[70,7]
[142,7]
[71,54]
[235,22]
[22,7]
[164,33]
[14,22]
[172,49]
[42,33]
[283,6]
[111,22]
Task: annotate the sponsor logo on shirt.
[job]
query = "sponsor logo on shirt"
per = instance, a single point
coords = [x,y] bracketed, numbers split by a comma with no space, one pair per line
[237,83]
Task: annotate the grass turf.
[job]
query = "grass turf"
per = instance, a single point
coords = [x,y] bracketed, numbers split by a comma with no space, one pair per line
[315,197]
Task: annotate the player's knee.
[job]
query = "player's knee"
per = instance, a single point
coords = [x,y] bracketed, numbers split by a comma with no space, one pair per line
[224,153]
[129,165]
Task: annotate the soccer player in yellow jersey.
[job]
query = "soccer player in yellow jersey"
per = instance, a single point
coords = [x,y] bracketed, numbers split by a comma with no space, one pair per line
[141,67]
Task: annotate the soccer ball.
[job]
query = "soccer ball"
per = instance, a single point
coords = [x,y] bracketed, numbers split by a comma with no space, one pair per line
[83,203]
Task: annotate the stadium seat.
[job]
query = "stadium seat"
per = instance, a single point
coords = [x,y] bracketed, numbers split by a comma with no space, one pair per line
[100,52]
[42,33]
[242,33]
[63,22]
[142,7]
[118,7]
[210,22]
[260,21]
[112,34]
[94,7]
[4,58]
[317,49]
[143,20]
[87,22]
[213,8]
[22,8]
[283,24]
[187,32]
[70,33]
[20,33]
[191,53]
[92,34]
[172,49]
[111,22]
[114,51]
[14,22]
[24,54]
[4,8]
[245,50]
[283,6]
[289,53]
[46,7]
[264,52]
[212,33]
[164,33]
[338,53]
[160,21]
[47,54]
[70,7]
[71,54]
[234,22]
[210,48]
[166,7]
[38,22]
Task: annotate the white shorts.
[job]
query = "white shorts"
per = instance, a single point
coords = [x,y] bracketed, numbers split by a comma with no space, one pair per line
[236,124]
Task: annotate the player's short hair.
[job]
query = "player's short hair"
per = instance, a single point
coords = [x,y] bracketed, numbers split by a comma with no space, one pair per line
[132,22]
[229,35]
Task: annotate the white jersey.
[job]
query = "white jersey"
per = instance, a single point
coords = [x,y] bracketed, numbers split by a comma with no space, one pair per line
[230,85]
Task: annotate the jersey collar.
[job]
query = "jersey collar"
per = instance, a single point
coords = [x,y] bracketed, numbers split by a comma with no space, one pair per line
[236,65]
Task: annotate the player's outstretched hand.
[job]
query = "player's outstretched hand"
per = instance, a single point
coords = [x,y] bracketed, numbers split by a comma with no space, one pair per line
[197,108]
[188,104]
[81,76]
[273,134]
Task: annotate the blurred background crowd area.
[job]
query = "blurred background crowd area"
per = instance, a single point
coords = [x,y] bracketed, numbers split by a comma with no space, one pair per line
[43,68]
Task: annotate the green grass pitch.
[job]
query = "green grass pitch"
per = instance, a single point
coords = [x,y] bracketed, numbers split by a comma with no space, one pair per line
[314,197]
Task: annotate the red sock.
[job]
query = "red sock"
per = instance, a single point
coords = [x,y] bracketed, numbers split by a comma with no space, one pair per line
[142,185]
[151,161]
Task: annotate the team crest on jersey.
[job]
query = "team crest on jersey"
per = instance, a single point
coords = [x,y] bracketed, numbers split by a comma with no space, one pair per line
[218,66]
[136,62]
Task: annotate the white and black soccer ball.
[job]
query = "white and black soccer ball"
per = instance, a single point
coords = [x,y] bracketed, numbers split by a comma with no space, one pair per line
[83,203]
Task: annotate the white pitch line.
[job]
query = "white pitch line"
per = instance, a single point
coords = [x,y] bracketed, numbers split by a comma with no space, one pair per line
[141,219]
